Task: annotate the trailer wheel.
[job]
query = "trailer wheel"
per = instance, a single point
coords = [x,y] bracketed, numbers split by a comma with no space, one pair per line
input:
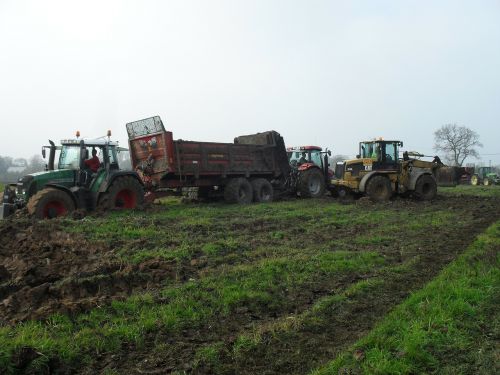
[262,190]
[379,189]
[124,192]
[426,188]
[238,190]
[50,203]
[311,184]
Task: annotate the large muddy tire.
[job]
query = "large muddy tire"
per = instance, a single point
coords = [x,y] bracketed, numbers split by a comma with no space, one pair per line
[311,184]
[238,190]
[474,180]
[425,188]
[50,203]
[379,189]
[124,193]
[262,190]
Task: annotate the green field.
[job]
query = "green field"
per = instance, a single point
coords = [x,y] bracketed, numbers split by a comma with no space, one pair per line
[298,286]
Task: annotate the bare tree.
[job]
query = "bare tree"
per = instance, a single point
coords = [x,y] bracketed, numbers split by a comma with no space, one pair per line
[457,142]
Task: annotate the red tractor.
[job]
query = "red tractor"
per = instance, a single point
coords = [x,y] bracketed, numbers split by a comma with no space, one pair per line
[310,164]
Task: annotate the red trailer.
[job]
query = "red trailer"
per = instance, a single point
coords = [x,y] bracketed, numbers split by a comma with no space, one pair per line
[250,169]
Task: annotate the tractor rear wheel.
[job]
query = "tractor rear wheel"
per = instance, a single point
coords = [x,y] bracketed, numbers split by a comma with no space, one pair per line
[425,188]
[474,180]
[238,190]
[50,203]
[379,189]
[262,190]
[311,184]
[486,181]
[124,193]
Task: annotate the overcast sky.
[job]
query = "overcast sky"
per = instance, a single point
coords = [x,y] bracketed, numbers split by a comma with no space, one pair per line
[329,73]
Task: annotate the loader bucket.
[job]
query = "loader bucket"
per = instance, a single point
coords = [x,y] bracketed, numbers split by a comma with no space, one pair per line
[447,176]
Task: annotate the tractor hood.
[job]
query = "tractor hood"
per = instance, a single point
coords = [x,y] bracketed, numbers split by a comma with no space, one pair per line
[36,181]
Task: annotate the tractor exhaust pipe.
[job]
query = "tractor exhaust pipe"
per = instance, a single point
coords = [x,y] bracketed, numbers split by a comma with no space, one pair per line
[52,155]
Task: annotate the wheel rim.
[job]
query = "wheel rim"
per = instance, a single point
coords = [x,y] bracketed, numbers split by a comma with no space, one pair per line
[486,181]
[426,188]
[342,193]
[54,209]
[126,199]
[379,190]
[473,180]
[314,184]
[265,193]
[242,194]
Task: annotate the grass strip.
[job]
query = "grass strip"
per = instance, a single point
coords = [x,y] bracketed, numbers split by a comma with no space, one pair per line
[449,326]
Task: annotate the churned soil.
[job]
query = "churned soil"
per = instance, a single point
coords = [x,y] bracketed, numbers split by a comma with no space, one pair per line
[45,270]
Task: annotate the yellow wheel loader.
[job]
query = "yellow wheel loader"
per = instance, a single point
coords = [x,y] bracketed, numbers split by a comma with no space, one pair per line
[379,173]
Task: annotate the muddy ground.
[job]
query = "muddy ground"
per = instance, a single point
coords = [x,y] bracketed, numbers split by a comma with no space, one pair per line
[45,270]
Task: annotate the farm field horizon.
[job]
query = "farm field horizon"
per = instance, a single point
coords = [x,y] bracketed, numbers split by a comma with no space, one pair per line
[296,286]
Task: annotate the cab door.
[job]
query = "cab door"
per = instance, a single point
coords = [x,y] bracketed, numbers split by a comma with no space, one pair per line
[388,156]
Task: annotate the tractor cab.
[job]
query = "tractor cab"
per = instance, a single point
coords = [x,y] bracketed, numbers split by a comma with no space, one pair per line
[84,159]
[74,154]
[303,155]
[382,154]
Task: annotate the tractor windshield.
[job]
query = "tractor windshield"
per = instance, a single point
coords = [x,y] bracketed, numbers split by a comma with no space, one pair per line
[69,157]
[315,157]
[305,156]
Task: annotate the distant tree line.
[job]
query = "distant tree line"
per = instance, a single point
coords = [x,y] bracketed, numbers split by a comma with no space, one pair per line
[11,169]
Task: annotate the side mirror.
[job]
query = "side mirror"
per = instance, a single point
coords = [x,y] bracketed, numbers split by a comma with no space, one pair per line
[43,152]
[329,153]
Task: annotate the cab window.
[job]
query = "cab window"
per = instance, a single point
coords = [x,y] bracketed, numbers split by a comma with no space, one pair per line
[315,157]
[391,154]
[367,150]
[69,158]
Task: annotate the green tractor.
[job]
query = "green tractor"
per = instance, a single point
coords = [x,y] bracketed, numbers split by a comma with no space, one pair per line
[77,183]
[484,176]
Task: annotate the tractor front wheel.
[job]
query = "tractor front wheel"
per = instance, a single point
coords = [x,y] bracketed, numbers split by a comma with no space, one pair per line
[311,184]
[50,203]
[426,188]
[379,189]
[486,181]
[124,193]
[474,180]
